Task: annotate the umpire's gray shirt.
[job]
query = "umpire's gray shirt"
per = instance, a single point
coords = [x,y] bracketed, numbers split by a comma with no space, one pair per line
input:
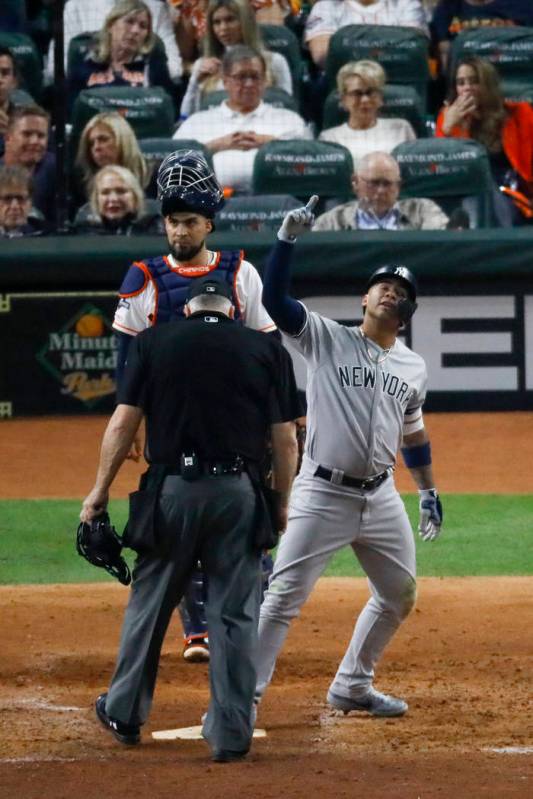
[357,396]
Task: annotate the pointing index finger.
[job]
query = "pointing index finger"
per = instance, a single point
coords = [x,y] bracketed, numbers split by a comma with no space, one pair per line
[312,202]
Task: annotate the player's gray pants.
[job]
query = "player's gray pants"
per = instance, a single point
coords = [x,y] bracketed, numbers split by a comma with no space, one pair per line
[211,518]
[323,518]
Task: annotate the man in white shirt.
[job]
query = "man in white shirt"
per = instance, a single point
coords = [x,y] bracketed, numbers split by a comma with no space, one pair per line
[376,185]
[234,130]
[327,16]
[88,16]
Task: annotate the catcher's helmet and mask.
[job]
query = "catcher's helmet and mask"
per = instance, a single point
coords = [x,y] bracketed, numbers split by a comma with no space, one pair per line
[97,541]
[186,182]
[406,307]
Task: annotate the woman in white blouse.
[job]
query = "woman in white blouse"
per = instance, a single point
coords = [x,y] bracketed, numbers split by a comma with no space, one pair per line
[230,22]
[360,85]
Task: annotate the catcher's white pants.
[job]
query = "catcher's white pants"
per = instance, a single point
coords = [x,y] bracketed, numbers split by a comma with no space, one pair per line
[323,518]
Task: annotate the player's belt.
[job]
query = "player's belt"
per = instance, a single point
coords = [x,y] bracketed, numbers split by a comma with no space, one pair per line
[337,477]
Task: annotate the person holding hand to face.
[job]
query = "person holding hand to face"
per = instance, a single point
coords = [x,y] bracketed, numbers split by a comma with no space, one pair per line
[476,109]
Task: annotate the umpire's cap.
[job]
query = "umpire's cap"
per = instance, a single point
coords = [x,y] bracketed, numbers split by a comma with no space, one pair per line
[401,273]
[186,182]
[211,284]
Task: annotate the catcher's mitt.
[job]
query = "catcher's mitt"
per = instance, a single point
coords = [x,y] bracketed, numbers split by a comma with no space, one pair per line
[97,541]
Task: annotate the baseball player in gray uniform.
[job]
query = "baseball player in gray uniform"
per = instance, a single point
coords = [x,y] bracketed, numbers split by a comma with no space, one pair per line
[365,391]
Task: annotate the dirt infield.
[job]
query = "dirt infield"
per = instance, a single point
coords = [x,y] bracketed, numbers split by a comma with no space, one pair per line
[462,660]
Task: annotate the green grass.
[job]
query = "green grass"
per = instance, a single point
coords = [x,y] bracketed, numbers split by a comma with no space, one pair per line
[484,535]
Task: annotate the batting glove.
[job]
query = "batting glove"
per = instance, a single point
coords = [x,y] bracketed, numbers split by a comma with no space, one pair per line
[298,221]
[430,514]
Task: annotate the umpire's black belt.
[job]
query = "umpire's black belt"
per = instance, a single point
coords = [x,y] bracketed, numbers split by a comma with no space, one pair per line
[337,477]
[231,466]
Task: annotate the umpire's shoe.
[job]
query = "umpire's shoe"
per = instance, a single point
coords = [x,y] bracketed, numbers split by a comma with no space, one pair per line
[372,702]
[128,734]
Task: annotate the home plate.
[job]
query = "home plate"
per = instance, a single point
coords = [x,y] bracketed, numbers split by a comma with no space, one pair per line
[510,750]
[190,734]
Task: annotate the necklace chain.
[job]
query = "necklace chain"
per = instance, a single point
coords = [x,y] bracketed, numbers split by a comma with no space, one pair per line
[380,358]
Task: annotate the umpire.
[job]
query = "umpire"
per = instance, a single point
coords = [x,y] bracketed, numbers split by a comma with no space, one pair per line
[211,391]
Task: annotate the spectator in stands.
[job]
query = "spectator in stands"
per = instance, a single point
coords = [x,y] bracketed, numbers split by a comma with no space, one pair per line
[107,139]
[234,130]
[125,54]
[117,206]
[376,184]
[327,17]
[230,22]
[8,83]
[476,109]
[17,217]
[189,17]
[26,142]
[455,16]
[87,16]
[360,85]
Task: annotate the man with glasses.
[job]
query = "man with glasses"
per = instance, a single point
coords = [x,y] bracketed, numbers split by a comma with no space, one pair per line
[376,184]
[16,217]
[234,130]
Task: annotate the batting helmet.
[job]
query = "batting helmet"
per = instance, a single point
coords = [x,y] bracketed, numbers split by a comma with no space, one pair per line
[186,182]
[406,308]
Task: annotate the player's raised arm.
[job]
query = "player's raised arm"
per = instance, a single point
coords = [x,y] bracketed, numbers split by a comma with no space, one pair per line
[288,313]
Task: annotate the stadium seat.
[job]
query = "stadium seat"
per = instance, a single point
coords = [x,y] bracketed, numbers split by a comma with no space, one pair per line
[281,39]
[277,97]
[303,168]
[402,52]
[155,150]
[28,60]
[449,171]
[255,213]
[399,101]
[510,50]
[150,111]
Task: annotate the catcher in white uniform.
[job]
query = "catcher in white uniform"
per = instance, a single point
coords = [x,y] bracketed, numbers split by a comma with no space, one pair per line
[365,391]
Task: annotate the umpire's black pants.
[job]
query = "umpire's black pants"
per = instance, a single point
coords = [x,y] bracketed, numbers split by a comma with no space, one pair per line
[211,519]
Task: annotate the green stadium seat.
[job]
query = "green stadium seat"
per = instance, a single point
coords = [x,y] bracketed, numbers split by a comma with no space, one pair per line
[276,97]
[281,39]
[29,61]
[156,149]
[448,171]
[402,52]
[303,168]
[399,101]
[510,50]
[255,213]
[150,111]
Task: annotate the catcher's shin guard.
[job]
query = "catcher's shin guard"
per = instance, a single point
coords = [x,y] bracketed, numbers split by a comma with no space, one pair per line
[192,606]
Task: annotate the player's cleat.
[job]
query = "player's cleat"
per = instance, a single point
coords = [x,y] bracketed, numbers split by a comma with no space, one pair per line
[127,734]
[196,649]
[227,755]
[372,702]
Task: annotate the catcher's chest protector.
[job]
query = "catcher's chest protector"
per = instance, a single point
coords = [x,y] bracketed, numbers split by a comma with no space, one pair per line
[172,288]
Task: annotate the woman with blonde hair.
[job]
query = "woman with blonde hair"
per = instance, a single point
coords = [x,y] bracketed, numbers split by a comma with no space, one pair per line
[360,85]
[107,139]
[230,22]
[125,53]
[476,109]
[117,206]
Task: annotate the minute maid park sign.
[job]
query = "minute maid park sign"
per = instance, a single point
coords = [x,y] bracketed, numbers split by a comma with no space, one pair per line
[82,356]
